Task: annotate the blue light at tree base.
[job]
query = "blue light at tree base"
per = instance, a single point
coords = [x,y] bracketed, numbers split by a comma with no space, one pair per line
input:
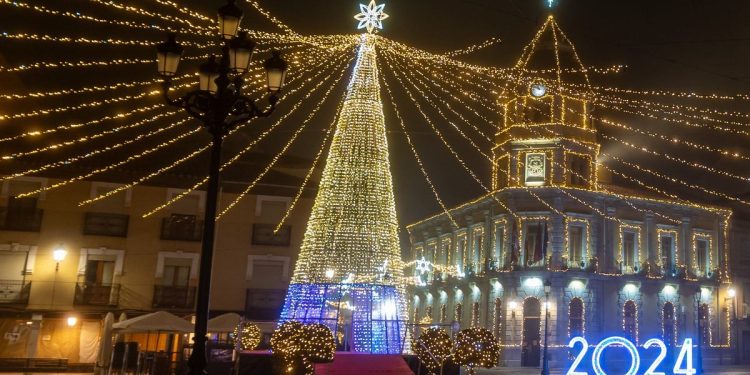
[370,311]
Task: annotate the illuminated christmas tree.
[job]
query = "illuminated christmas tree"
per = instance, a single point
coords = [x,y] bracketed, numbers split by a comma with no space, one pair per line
[350,262]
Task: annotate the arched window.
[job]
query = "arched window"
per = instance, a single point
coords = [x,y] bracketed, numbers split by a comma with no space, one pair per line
[668,323]
[704,316]
[575,317]
[630,321]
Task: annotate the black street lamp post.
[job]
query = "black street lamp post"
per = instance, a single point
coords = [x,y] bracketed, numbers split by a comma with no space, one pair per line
[699,333]
[219,105]
[545,358]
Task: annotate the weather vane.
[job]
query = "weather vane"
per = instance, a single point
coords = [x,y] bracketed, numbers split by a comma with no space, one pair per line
[371,16]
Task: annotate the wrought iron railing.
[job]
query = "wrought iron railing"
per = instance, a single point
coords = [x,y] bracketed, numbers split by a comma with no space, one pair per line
[182,228]
[174,297]
[29,220]
[14,291]
[96,294]
[105,224]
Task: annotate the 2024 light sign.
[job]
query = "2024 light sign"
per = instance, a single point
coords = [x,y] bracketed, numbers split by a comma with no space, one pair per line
[682,366]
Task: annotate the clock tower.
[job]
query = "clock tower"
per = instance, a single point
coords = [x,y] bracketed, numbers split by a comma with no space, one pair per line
[546,136]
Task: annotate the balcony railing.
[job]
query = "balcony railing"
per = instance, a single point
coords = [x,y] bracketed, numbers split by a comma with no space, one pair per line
[95,294]
[264,304]
[105,224]
[14,292]
[27,220]
[182,228]
[174,297]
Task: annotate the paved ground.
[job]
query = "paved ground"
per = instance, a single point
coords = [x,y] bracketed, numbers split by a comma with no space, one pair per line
[724,370]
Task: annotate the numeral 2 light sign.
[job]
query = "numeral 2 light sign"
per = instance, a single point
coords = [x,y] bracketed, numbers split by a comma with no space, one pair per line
[683,362]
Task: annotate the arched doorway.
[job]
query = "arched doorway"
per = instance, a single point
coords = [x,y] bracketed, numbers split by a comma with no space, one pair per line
[575,317]
[530,345]
[668,323]
[630,321]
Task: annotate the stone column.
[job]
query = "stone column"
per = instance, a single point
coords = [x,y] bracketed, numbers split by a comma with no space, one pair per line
[608,257]
[651,242]
[686,243]
[557,234]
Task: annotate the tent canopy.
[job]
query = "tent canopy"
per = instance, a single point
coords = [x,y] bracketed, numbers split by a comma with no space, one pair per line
[160,321]
[224,323]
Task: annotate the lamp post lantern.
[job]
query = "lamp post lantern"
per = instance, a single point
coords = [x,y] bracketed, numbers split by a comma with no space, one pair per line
[220,105]
[545,358]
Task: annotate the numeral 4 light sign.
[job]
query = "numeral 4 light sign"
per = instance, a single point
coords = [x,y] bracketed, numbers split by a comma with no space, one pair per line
[683,363]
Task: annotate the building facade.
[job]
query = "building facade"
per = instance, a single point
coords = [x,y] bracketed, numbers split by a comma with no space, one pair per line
[555,239]
[117,261]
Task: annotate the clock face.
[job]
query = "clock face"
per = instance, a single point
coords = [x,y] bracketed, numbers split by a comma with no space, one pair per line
[538,90]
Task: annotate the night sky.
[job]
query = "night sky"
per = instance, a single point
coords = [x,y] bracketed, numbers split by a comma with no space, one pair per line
[701,46]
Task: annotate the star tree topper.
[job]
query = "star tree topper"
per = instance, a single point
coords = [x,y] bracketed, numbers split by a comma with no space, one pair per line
[371,16]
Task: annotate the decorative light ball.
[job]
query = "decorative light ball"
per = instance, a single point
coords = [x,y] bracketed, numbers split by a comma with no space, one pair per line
[433,347]
[476,347]
[316,345]
[249,334]
[284,339]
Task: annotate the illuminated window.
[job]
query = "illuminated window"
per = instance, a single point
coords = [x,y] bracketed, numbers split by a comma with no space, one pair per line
[498,253]
[630,321]
[629,251]
[668,251]
[461,252]
[536,169]
[476,253]
[579,170]
[576,245]
[702,256]
[575,317]
[535,238]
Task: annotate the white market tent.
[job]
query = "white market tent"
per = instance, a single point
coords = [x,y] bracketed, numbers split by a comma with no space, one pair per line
[224,323]
[160,321]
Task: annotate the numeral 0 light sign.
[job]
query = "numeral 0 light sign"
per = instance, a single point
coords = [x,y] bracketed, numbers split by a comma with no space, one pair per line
[682,366]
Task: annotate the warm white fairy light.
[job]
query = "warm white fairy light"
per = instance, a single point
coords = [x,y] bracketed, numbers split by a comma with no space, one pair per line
[353,227]
[261,136]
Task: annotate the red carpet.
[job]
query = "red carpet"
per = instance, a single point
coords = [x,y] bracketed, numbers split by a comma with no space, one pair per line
[364,364]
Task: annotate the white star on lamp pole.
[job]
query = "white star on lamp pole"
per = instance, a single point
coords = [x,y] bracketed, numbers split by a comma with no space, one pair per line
[371,16]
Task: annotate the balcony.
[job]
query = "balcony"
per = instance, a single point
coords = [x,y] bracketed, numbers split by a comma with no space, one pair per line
[14,292]
[174,297]
[22,220]
[95,294]
[264,304]
[182,228]
[105,224]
